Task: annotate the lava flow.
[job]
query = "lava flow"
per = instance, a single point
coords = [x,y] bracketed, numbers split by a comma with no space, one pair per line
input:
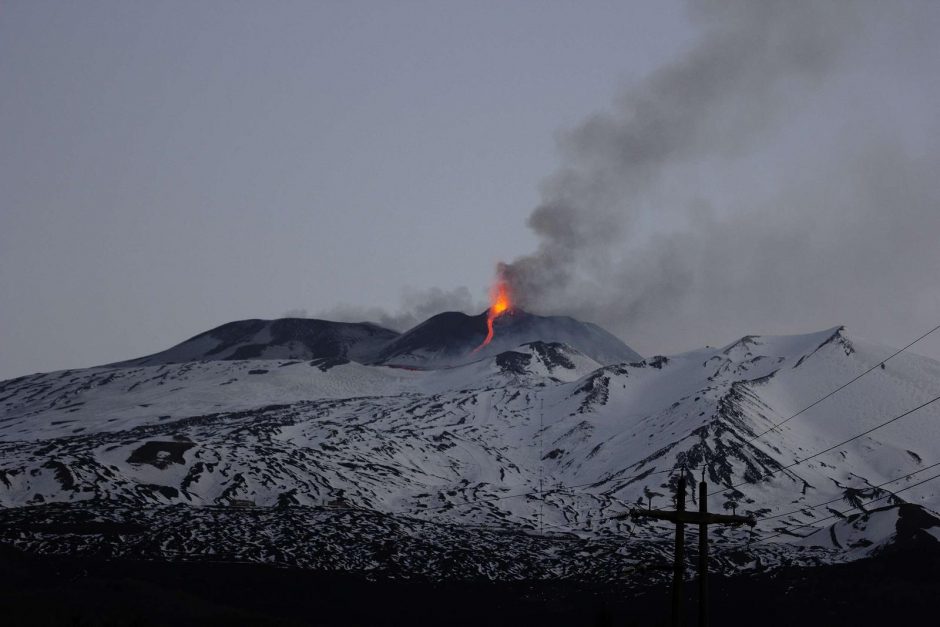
[500,303]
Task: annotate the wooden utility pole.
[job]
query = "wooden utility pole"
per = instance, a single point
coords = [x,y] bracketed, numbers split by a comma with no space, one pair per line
[681,517]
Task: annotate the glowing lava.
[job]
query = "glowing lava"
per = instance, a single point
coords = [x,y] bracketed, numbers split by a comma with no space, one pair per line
[500,303]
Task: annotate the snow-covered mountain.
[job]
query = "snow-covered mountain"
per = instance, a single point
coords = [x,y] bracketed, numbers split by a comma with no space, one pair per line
[471,459]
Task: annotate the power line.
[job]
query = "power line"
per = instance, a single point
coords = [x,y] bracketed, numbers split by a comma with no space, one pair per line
[834,446]
[603,519]
[789,529]
[791,417]
[814,455]
[841,498]
[541,494]
[841,387]
[608,518]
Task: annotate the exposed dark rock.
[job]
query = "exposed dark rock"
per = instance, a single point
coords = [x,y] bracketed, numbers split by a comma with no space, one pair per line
[160,454]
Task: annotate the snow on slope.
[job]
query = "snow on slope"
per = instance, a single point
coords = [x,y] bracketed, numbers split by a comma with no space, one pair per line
[873,531]
[461,445]
[70,402]
[707,405]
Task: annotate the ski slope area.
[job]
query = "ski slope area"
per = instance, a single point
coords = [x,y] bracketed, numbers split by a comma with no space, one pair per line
[539,436]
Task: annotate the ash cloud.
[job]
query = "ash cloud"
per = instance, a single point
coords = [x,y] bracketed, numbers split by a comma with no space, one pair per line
[756,184]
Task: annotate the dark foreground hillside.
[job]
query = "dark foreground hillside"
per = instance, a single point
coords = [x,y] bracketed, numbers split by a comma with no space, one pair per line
[900,587]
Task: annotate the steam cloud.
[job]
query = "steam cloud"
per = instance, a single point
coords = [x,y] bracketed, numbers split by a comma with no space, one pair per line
[832,217]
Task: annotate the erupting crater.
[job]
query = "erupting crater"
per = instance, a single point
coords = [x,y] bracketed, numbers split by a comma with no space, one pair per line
[500,303]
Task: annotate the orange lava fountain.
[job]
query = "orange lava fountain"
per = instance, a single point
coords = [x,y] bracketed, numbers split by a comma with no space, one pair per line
[500,303]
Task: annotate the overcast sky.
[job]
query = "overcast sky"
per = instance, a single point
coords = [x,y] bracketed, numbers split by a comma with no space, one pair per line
[166,167]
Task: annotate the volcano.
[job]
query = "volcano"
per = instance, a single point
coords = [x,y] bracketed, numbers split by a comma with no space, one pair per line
[447,339]
[285,338]
[293,442]
[453,338]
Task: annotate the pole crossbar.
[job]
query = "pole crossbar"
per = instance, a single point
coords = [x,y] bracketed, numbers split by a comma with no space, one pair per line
[680,517]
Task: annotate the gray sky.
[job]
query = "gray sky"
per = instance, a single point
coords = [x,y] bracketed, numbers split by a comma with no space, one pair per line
[169,166]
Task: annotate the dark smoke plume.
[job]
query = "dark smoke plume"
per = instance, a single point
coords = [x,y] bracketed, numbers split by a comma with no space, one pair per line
[631,238]
[764,182]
